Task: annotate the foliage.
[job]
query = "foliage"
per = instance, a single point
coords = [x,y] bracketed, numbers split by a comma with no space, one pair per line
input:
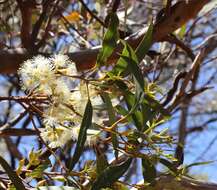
[96,129]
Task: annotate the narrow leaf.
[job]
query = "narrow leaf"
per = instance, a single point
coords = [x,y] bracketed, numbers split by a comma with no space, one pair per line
[111,114]
[168,164]
[85,124]
[132,103]
[137,74]
[148,170]
[199,164]
[101,163]
[17,182]
[110,39]
[155,105]
[122,64]
[136,115]
[182,31]
[110,175]
[145,44]
[38,171]
[122,111]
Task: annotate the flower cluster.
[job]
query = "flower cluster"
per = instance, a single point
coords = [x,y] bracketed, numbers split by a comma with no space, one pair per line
[52,77]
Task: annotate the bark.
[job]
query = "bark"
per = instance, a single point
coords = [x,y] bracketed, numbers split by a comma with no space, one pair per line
[169,183]
[180,14]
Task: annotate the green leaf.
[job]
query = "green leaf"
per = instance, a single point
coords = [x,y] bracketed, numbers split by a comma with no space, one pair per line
[110,175]
[137,74]
[147,115]
[85,124]
[101,163]
[12,175]
[182,31]
[136,115]
[199,163]
[148,170]
[34,158]
[145,44]
[110,39]
[169,165]
[111,114]
[155,105]
[122,111]
[129,61]
[122,64]
[38,171]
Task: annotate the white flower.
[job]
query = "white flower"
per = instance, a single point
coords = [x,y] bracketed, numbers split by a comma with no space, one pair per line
[71,69]
[59,113]
[43,76]
[78,101]
[50,121]
[61,92]
[37,72]
[60,60]
[56,136]
[63,63]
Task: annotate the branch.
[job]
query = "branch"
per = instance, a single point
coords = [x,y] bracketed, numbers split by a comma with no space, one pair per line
[26,14]
[185,183]
[17,132]
[169,182]
[180,14]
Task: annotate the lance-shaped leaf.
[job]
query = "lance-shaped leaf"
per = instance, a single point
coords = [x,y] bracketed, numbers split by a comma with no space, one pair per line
[122,65]
[145,44]
[132,104]
[137,74]
[85,124]
[110,39]
[199,164]
[148,170]
[168,164]
[136,115]
[129,62]
[101,162]
[12,175]
[111,114]
[155,105]
[38,171]
[110,175]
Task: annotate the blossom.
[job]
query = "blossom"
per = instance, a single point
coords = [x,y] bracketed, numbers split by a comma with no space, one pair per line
[60,60]
[50,121]
[56,136]
[71,69]
[58,112]
[63,64]
[37,73]
[51,77]
[61,92]
[78,101]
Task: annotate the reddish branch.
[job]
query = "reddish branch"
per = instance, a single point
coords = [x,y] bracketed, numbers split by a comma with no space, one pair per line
[26,25]
[17,132]
[180,14]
